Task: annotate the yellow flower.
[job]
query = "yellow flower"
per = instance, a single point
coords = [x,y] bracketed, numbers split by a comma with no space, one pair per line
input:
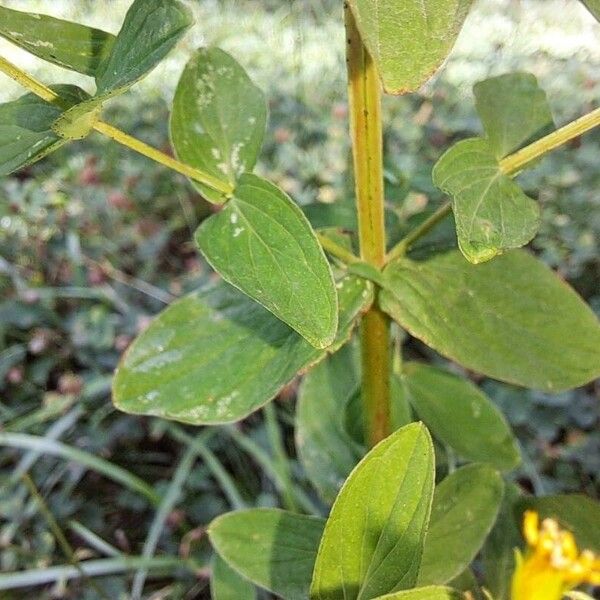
[552,564]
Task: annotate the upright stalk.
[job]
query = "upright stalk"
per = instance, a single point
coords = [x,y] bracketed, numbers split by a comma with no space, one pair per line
[364,91]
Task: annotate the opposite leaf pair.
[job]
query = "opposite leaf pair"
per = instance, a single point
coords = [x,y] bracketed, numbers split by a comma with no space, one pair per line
[388,531]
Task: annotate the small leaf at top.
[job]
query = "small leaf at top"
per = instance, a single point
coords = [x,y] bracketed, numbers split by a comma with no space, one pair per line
[218,119]
[70,45]
[262,244]
[491,211]
[514,111]
[274,549]
[227,584]
[512,318]
[26,133]
[409,39]
[373,539]
[461,416]
[593,6]
[465,507]
[432,592]
[150,30]
[215,356]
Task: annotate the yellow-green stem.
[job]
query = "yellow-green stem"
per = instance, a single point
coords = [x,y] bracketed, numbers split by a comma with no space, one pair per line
[336,250]
[44,92]
[364,90]
[515,162]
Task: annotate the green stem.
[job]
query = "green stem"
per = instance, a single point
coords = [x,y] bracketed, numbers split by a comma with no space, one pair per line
[47,94]
[418,232]
[516,162]
[364,90]
[336,250]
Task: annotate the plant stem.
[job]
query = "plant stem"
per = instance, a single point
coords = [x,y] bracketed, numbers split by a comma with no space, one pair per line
[364,90]
[336,250]
[515,162]
[418,232]
[44,92]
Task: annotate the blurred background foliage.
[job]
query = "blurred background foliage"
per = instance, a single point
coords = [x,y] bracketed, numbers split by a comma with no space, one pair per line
[95,240]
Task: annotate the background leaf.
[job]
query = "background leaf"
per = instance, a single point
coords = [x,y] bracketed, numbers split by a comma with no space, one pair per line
[425,593]
[465,507]
[575,512]
[325,448]
[498,553]
[274,549]
[262,244]
[460,415]
[514,111]
[373,539]
[511,319]
[409,39]
[215,356]
[70,45]
[226,584]
[218,119]
[491,211]
[26,134]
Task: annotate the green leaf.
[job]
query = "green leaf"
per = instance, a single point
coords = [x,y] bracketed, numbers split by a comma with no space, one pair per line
[215,356]
[465,507]
[409,39]
[26,134]
[218,119]
[262,244]
[226,584]
[325,448]
[514,111]
[491,211]
[274,549]
[62,43]
[593,6]
[433,592]
[373,539]
[150,30]
[575,512]
[499,551]
[461,416]
[511,319]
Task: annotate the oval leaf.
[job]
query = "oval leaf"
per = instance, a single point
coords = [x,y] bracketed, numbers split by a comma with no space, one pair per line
[461,416]
[26,133]
[218,119]
[432,592]
[150,30]
[226,584]
[465,507]
[274,549]
[373,539]
[215,356]
[511,319]
[409,39]
[326,451]
[62,43]
[491,211]
[262,244]
[514,111]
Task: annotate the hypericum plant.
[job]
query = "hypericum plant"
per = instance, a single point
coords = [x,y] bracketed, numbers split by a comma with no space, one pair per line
[226,350]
